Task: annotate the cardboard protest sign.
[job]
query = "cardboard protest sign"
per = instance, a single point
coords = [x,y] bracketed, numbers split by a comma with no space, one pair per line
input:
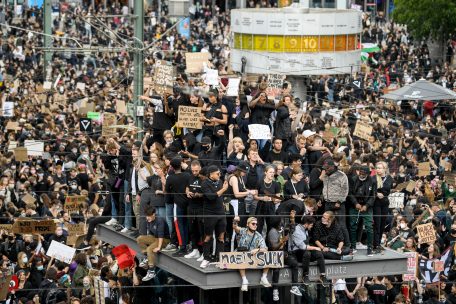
[75,240]
[99,291]
[27,226]
[195,61]
[8,109]
[426,233]
[275,83]
[383,122]
[61,252]
[412,266]
[396,200]
[424,169]
[233,87]
[447,166]
[121,106]
[248,260]
[6,227]
[189,117]
[20,154]
[12,125]
[450,178]
[410,186]
[4,285]
[109,120]
[28,199]
[164,77]
[75,229]
[258,131]
[74,203]
[34,147]
[362,130]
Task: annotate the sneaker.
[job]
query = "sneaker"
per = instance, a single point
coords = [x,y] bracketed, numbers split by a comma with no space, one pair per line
[144,263]
[275,295]
[264,281]
[200,259]
[295,290]
[353,250]
[377,251]
[306,280]
[180,253]
[117,227]
[369,252]
[347,257]
[324,281]
[360,245]
[125,230]
[149,276]
[111,222]
[204,264]
[195,254]
[245,286]
[169,248]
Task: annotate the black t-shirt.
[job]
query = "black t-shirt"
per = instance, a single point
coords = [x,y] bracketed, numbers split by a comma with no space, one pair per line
[274,156]
[268,188]
[213,204]
[377,293]
[194,185]
[391,295]
[175,189]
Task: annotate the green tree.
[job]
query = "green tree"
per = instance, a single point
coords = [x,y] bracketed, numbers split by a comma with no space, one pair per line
[427,18]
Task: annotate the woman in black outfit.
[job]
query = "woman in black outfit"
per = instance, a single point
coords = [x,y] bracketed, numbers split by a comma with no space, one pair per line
[296,187]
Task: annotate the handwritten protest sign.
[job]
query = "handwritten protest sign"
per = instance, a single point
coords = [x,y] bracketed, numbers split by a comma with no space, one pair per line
[275,83]
[195,61]
[75,229]
[8,109]
[13,125]
[248,260]
[211,77]
[233,87]
[383,122]
[164,77]
[410,186]
[28,199]
[26,226]
[362,130]
[424,169]
[121,107]
[61,252]
[189,117]
[396,200]
[258,131]
[6,227]
[34,147]
[4,285]
[426,233]
[74,203]
[412,264]
[450,178]
[109,120]
[20,154]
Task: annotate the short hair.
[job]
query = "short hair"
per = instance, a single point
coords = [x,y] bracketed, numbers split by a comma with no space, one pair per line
[195,163]
[166,132]
[266,169]
[51,274]
[307,219]
[296,170]
[150,211]
[277,138]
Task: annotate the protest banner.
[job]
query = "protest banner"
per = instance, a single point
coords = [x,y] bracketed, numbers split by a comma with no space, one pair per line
[20,154]
[189,117]
[258,131]
[450,178]
[195,61]
[248,260]
[61,252]
[426,233]
[4,286]
[75,229]
[164,77]
[412,266]
[99,288]
[362,130]
[26,226]
[233,87]
[275,83]
[74,203]
[34,147]
[396,200]
[109,120]
[424,169]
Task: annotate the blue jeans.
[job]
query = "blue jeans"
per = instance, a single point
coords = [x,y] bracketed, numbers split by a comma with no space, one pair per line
[182,226]
[169,216]
[128,208]
[161,212]
[113,207]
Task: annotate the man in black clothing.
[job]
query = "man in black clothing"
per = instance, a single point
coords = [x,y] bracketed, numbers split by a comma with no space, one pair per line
[175,194]
[211,155]
[277,153]
[377,291]
[195,209]
[391,291]
[214,212]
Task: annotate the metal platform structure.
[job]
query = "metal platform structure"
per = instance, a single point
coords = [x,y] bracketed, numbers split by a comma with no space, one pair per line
[211,278]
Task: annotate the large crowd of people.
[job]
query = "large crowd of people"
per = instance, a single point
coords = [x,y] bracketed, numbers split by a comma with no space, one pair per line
[313,189]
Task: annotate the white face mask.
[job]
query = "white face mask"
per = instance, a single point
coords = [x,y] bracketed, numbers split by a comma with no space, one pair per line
[403,225]
[24,260]
[74,187]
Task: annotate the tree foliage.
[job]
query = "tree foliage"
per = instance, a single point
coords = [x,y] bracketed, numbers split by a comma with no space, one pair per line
[427,18]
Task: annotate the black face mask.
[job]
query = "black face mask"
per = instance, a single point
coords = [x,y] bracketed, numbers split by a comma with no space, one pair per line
[453,231]
[206,148]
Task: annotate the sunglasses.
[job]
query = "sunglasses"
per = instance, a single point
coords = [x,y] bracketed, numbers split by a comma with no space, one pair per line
[253,224]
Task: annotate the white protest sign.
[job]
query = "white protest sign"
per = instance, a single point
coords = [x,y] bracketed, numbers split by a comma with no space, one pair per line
[34,148]
[258,131]
[396,200]
[81,86]
[336,113]
[233,87]
[8,109]
[47,85]
[211,77]
[61,252]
